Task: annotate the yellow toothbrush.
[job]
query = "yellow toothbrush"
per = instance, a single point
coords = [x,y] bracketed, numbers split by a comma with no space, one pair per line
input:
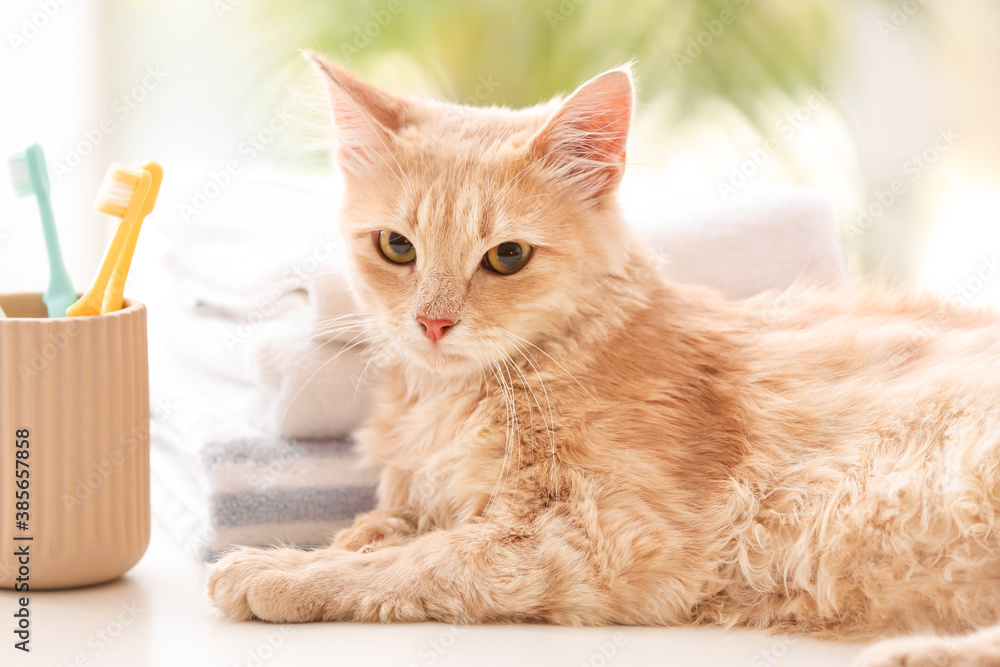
[122,195]
[114,294]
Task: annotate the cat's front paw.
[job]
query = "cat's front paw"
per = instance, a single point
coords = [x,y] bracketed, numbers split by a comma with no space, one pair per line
[264,584]
[374,530]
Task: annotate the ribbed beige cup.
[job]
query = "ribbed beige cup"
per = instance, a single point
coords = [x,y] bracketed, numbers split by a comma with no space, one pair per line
[80,387]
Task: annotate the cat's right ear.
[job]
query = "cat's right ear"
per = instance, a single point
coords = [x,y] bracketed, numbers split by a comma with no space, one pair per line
[366,118]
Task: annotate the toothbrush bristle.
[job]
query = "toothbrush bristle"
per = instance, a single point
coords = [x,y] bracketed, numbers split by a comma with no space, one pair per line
[20,174]
[117,190]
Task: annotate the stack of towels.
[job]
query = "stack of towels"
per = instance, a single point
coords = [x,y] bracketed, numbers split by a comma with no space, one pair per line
[248,445]
[254,400]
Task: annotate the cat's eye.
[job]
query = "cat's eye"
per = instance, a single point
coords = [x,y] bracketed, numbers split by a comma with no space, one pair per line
[507,258]
[396,247]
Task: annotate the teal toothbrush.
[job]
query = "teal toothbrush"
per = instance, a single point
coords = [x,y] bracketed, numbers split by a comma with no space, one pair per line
[29,176]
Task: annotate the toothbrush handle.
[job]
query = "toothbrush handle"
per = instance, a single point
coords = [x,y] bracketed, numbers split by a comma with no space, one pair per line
[58,278]
[90,302]
[114,295]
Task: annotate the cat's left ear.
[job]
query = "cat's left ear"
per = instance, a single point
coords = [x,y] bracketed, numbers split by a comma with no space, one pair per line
[583,144]
[365,116]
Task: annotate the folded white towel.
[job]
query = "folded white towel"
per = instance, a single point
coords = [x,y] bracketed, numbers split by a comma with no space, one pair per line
[764,239]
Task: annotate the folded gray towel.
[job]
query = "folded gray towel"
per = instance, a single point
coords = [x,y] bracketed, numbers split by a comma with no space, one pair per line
[218,481]
[260,491]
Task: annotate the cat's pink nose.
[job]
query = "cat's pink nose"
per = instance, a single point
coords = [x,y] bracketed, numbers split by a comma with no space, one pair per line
[435,329]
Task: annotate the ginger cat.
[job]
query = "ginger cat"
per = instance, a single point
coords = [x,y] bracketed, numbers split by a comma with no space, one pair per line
[566,438]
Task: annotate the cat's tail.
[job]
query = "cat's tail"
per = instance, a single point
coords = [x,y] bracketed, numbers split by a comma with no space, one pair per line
[981,649]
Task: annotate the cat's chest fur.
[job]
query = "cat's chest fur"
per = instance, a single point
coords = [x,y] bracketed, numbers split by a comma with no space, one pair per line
[433,439]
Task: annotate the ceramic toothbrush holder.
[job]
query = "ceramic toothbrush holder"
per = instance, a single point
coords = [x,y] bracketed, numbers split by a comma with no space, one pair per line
[74,444]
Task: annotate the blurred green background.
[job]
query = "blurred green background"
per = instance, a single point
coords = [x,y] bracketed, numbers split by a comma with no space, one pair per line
[545,48]
[841,96]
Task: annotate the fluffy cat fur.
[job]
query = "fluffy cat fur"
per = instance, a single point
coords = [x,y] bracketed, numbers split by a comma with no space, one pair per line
[591,445]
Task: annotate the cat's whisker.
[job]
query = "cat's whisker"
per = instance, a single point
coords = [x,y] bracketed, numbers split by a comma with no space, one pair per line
[351,319]
[333,331]
[350,345]
[323,323]
[530,358]
[319,327]
[508,363]
[573,377]
[550,425]
[530,197]
[312,337]
[488,509]
[531,423]
[304,340]
[513,432]
[335,327]
[517,432]
[547,424]
[485,384]
[360,314]
[372,355]
[327,327]
[513,429]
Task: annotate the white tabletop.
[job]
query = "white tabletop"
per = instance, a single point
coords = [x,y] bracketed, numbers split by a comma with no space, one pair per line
[158,614]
